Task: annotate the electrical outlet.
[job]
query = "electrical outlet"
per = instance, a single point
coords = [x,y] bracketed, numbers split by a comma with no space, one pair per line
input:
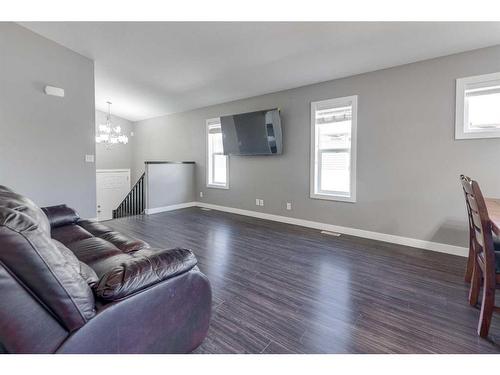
[288,206]
[257,201]
[261,202]
[201,194]
[89,158]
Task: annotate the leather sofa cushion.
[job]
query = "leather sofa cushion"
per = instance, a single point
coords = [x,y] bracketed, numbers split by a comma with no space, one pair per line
[87,273]
[120,240]
[142,269]
[60,215]
[94,227]
[17,202]
[68,255]
[98,254]
[124,243]
[70,233]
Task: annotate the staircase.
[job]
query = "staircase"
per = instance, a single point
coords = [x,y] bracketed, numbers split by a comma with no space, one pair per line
[134,202]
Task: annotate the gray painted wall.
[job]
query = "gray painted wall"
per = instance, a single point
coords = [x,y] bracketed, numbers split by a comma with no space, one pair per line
[118,156]
[166,138]
[169,184]
[44,139]
[408,160]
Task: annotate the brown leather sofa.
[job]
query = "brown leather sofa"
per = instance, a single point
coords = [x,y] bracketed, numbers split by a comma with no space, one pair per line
[76,286]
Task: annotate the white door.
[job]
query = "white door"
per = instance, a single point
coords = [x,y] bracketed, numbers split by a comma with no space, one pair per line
[113,185]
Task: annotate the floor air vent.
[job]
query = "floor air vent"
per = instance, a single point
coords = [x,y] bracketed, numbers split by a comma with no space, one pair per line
[335,234]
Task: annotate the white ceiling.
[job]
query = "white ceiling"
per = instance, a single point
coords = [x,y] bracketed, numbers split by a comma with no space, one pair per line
[148,69]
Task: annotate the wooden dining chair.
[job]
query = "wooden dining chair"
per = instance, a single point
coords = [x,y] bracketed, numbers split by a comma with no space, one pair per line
[484,265]
[470,259]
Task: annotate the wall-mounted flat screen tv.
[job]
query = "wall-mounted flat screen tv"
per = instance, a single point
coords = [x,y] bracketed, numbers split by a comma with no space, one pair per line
[253,133]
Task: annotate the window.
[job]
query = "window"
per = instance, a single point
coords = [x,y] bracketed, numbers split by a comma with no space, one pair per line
[217,162]
[333,149]
[478,107]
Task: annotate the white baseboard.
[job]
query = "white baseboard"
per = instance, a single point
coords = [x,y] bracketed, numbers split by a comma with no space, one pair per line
[149,211]
[405,241]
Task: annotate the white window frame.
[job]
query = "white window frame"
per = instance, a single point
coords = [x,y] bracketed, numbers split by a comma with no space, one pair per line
[461,110]
[210,122]
[329,103]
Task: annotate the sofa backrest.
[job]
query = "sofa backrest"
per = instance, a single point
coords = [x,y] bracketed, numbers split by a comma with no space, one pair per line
[19,203]
[34,261]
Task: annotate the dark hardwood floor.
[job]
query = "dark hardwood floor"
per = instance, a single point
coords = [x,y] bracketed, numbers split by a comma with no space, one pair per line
[280,288]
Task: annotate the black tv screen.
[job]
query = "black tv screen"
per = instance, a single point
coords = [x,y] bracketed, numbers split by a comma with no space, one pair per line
[253,133]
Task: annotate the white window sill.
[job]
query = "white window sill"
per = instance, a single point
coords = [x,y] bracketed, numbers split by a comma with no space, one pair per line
[477,134]
[330,197]
[224,187]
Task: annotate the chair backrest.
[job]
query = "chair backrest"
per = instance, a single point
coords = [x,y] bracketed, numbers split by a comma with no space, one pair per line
[467,180]
[479,222]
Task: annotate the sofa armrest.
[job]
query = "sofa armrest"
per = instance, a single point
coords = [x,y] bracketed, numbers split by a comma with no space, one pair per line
[60,215]
[169,317]
[147,267]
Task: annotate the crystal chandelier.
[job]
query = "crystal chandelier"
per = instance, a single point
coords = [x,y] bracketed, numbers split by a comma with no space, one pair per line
[109,134]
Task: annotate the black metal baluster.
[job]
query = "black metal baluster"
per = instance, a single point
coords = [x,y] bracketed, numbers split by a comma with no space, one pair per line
[131,209]
[138,198]
[135,201]
[141,198]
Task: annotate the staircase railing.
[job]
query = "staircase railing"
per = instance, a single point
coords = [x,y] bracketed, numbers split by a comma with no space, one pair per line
[134,202]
